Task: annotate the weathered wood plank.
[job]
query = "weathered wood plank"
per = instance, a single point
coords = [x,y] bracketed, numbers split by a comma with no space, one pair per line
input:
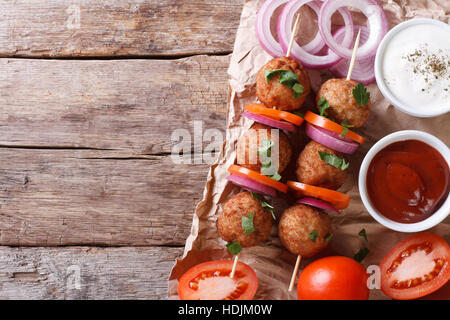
[95,197]
[85,273]
[85,148]
[74,28]
[117,104]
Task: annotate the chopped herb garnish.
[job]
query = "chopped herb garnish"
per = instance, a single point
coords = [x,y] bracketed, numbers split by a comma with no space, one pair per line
[363,234]
[361,95]
[276,177]
[334,160]
[247,224]
[323,106]
[266,145]
[234,247]
[313,235]
[361,254]
[264,204]
[329,237]
[346,126]
[287,78]
[298,90]
[265,152]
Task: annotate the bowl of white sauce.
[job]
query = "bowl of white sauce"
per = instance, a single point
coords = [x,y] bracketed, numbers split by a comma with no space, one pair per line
[412,67]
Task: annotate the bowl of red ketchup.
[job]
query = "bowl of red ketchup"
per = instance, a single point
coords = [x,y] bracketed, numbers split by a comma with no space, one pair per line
[404,181]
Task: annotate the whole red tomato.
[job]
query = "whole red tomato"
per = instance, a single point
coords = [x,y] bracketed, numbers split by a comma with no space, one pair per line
[333,278]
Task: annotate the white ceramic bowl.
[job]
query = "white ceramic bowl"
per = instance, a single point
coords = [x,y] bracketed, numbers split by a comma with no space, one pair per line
[431,221]
[422,113]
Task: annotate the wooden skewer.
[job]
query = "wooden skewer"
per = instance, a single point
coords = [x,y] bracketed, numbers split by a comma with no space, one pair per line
[352,61]
[294,274]
[294,32]
[233,270]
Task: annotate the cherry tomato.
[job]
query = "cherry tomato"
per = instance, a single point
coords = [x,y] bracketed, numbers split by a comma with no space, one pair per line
[333,278]
[211,281]
[417,266]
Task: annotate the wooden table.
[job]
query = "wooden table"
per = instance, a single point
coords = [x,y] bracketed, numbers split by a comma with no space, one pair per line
[91,204]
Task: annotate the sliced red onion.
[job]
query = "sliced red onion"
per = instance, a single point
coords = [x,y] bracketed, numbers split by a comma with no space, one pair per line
[330,141]
[313,202]
[376,20]
[309,60]
[333,134]
[264,33]
[364,69]
[251,185]
[269,122]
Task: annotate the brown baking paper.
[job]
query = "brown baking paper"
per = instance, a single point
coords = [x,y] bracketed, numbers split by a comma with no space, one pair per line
[271,262]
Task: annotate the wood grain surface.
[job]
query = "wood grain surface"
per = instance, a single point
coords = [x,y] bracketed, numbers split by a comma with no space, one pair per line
[83,28]
[85,149]
[90,94]
[85,272]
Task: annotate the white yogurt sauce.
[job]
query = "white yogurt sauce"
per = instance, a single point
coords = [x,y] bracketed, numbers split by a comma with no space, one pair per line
[416,67]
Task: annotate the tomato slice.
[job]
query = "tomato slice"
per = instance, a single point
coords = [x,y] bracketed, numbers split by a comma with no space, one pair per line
[325,123]
[256,176]
[211,281]
[275,114]
[339,200]
[417,266]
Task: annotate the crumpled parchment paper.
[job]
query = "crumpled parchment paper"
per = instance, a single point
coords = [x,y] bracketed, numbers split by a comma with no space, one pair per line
[271,262]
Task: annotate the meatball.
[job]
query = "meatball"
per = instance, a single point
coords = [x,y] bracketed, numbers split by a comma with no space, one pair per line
[312,170]
[280,96]
[339,94]
[249,143]
[303,230]
[229,223]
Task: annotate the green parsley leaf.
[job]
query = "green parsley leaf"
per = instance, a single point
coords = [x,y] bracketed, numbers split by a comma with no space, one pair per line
[328,237]
[334,160]
[346,126]
[361,95]
[363,234]
[269,74]
[298,90]
[361,254]
[234,247]
[323,106]
[276,177]
[247,224]
[270,208]
[264,204]
[266,145]
[313,235]
[287,78]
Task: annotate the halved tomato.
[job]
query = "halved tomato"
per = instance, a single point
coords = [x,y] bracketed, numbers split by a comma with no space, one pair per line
[417,266]
[211,281]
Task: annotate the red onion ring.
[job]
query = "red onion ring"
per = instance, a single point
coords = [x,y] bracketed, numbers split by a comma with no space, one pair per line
[310,60]
[334,134]
[269,122]
[364,69]
[251,185]
[328,140]
[377,24]
[313,202]
[265,36]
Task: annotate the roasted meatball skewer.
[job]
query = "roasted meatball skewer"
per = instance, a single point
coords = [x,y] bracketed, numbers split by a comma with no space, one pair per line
[305,230]
[243,222]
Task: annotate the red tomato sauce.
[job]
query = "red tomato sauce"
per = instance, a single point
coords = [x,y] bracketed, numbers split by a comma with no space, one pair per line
[408,181]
